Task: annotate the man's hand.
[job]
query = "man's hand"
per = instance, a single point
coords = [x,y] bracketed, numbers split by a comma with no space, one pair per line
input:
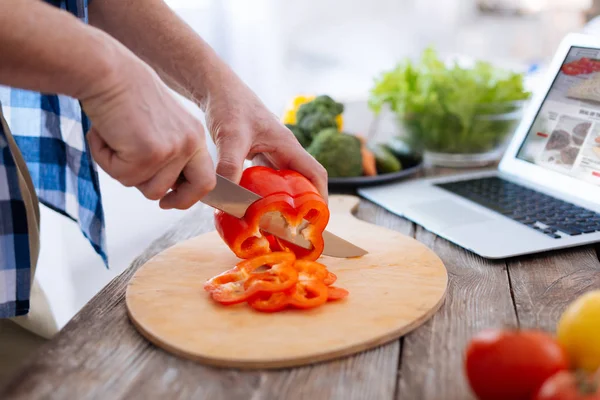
[239,123]
[143,137]
[243,128]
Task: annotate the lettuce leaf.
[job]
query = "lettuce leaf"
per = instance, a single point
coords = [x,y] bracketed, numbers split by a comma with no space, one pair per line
[444,106]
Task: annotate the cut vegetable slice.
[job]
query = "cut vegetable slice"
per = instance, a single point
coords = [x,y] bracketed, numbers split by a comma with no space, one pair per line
[267,273]
[275,281]
[336,293]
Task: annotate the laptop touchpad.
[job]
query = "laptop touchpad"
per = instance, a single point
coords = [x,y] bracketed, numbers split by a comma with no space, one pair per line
[445,213]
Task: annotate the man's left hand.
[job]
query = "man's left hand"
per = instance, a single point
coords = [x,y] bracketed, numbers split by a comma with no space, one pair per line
[243,128]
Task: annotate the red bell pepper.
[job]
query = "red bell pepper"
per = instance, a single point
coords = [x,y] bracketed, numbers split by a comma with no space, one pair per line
[311,290]
[274,281]
[273,272]
[270,302]
[286,192]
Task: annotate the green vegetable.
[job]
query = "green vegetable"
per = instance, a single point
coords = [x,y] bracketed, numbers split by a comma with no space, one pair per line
[318,114]
[385,160]
[450,108]
[322,103]
[316,121]
[338,152]
[399,148]
[302,137]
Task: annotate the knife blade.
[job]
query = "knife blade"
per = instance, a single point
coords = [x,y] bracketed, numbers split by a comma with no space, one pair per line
[235,200]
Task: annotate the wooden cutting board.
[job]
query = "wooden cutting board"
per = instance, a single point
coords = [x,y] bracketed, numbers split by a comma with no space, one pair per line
[395,288]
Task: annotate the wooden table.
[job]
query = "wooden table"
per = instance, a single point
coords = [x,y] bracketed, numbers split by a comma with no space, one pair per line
[99,355]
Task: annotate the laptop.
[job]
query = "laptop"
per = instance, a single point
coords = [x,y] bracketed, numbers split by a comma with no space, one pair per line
[545,192]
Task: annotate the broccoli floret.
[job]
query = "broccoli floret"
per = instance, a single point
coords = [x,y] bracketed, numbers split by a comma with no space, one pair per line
[316,121]
[318,114]
[338,152]
[323,103]
[302,137]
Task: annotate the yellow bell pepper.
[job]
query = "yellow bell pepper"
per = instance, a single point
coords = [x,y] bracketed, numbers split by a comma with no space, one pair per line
[289,115]
[578,331]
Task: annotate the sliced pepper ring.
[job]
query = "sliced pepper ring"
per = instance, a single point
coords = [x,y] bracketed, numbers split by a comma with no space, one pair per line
[303,295]
[267,273]
[311,289]
[312,270]
[280,276]
[308,294]
[270,302]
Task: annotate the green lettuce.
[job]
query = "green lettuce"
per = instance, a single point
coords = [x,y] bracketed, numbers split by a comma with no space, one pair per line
[449,108]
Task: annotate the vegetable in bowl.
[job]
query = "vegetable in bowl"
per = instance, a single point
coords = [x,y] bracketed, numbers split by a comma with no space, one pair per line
[338,152]
[447,108]
[316,122]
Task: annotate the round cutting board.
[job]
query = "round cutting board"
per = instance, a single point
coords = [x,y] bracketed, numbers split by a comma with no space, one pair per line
[393,289]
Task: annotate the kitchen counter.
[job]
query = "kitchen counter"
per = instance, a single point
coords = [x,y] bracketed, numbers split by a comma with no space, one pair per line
[99,354]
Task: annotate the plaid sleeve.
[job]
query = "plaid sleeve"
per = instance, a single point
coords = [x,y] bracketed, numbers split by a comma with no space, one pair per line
[49,130]
[14,239]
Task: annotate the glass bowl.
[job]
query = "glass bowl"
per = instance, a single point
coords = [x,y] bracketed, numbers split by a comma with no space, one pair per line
[446,140]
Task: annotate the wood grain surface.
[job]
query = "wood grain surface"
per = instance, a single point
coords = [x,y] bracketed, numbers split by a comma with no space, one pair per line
[100,355]
[393,289]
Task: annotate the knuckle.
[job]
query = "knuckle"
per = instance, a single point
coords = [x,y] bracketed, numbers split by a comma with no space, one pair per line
[158,151]
[153,192]
[151,153]
[185,202]
[227,165]
[205,185]
[208,184]
[126,179]
[127,182]
[227,135]
[190,143]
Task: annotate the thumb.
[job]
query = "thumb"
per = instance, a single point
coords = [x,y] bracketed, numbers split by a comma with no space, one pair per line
[230,159]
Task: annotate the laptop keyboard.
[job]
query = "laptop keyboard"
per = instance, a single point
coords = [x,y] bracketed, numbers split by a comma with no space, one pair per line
[534,209]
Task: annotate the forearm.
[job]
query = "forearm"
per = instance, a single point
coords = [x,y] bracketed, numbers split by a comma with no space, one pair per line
[48,50]
[158,36]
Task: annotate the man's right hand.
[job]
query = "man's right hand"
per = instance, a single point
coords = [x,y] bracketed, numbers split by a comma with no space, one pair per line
[143,137]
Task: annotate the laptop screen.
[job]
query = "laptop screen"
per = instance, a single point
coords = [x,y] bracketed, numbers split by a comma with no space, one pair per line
[565,134]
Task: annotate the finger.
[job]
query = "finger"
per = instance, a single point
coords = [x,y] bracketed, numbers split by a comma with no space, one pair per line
[294,157]
[199,179]
[100,151]
[157,186]
[262,160]
[304,163]
[114,166]
[231,156]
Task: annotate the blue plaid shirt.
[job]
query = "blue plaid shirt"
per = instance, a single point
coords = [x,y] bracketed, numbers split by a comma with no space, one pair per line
[50,131]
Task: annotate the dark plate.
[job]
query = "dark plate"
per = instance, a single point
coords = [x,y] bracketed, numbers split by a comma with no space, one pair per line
[411,165]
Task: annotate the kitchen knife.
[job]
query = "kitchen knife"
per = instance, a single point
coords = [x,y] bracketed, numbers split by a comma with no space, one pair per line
[234,200]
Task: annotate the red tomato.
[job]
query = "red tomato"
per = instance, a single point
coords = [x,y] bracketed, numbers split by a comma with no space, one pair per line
[508,364]
[566,385]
